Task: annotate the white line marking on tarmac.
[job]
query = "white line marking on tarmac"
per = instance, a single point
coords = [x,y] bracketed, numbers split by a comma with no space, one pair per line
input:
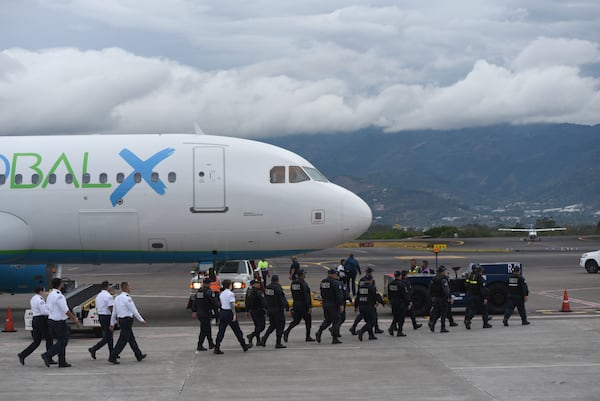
[559,365]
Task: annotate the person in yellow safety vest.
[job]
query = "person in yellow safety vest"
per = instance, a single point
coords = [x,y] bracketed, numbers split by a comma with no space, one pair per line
[263,267]
[414,269]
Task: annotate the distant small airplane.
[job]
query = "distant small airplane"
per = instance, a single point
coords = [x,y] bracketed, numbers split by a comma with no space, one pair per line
[532,233]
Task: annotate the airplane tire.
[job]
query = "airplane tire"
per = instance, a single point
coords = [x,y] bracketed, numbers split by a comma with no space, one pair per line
[421,300]
[497,294]
[591,266]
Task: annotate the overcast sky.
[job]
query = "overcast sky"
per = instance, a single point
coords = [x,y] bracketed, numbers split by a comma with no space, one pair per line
[274,67]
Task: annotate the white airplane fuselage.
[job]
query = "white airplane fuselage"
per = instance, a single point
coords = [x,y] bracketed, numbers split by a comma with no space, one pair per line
[165,198]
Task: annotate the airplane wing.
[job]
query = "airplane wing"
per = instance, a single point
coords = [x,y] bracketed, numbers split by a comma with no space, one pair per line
[551,229]
[526,230]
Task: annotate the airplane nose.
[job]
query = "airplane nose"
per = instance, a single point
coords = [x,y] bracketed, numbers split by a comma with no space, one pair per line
[356,217]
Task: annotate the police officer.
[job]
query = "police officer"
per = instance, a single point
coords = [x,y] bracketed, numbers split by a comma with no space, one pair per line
[477,293]
[39,325]
[104,306]
[58,311]
[411,310]
[276,303]
[439,289]
[400,300]
[294,267]
[256,306]
[518,292]
[365,302]
[333,305]
[228,317]
[302,307]
[205,305]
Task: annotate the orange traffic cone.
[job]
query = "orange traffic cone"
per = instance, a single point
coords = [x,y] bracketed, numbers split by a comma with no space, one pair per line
[9,325]
[565,304]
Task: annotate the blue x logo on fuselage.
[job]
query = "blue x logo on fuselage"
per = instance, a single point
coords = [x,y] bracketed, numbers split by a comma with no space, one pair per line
[144,168]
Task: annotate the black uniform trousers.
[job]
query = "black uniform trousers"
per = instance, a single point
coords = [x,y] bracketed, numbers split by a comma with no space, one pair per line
[40,331]
[107,335]
[511,302]
[298,314]
[276,324]
[226,319]
[126,336]
[439,311]
[331,316]
[476,304]
[205,330]
[369,314]
[258,318]
[398,314]
[60,332]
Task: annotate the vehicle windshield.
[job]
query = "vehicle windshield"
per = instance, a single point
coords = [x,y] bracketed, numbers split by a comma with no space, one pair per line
[315,174]
[231,267]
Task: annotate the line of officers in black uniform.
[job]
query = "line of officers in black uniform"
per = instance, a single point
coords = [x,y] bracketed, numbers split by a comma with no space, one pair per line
[334,294]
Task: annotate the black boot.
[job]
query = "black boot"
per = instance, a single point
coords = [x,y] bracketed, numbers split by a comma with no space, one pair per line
[211,344]
[218,350]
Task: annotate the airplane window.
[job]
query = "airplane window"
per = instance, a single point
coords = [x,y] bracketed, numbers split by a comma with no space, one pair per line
[154,177]
[52,178]
[297,174]
[35,178]
[2,179]
[137,178]
[86,178]
[172,177]
[69,178]
[103,178]
[278,175]
[18,179]
[120,177]
[315,174]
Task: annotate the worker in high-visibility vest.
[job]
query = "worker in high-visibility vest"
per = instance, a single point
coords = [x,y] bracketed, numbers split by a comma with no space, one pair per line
[263,268]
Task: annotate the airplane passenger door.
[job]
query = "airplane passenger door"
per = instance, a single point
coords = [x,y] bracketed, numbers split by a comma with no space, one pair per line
[209,179]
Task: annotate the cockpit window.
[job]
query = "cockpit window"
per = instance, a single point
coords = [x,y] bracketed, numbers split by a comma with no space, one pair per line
[277,175]
[297,174]
[315,174]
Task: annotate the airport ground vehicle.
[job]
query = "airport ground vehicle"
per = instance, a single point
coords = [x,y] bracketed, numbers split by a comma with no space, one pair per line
[590,261]
[82,302]
[240,272]
[496,280]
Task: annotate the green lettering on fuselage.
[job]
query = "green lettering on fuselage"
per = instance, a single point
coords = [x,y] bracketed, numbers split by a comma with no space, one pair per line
[90,185]
[33,167]
[61,159]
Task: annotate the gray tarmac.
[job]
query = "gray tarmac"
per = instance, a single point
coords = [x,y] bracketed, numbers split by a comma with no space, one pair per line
[557,357]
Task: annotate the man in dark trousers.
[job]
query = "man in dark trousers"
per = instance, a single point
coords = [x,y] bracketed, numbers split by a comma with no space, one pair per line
[58,311]
[302,306]
[294,267]
[365,302]
[352,268]
[477,293]
[104,306]
[124,311]
[439,289]
[205,305]
[39,325]
[333,305]
[400,300]
[256,306]
[276,303]
[518,292]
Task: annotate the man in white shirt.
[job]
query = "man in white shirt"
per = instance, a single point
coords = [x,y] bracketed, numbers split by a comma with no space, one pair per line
[39,324]
[124,311]
[104,306]
[58,311]
[228,317]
